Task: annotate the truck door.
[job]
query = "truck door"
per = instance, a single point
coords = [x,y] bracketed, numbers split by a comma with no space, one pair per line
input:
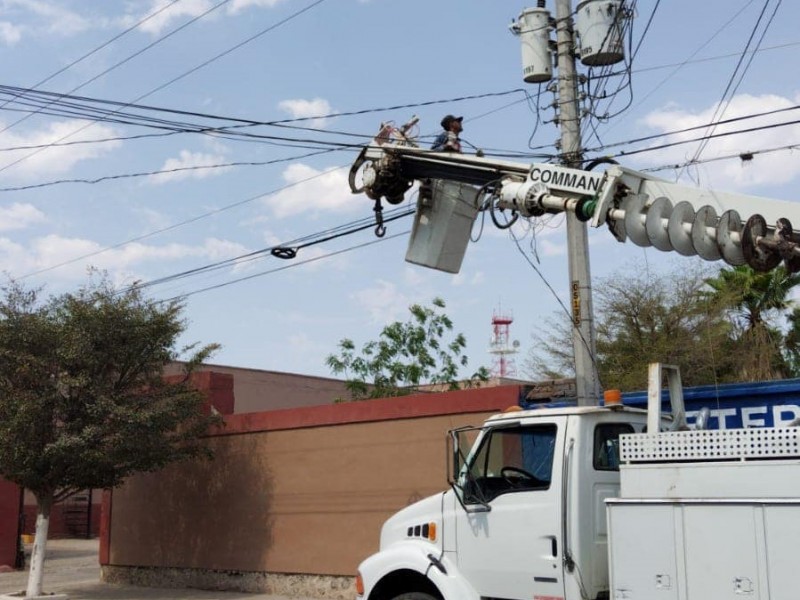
[509,538]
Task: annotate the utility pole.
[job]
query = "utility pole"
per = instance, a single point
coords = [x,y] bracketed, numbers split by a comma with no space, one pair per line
[583,334]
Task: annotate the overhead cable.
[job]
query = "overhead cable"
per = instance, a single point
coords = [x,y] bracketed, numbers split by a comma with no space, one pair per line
[186,73]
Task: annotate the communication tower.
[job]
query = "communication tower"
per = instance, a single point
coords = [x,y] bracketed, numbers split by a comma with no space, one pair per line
[502,347]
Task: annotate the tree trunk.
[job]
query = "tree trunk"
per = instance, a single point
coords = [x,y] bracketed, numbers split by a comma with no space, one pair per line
[36,573]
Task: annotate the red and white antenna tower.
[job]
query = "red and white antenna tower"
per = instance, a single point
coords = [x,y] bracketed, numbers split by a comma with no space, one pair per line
[502,346]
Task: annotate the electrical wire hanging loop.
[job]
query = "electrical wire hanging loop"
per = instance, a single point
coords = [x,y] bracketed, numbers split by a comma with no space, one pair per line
[380,228]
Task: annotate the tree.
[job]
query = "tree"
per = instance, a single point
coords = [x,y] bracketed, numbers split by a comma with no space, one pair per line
[791,344]
[655,319]
[405,355]
[754,300]
[83,403]
[551,356]
[642,319]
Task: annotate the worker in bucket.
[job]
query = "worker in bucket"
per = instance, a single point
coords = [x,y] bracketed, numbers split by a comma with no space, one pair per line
[448,140]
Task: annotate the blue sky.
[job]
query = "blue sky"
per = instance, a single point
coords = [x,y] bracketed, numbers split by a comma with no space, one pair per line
[336,57]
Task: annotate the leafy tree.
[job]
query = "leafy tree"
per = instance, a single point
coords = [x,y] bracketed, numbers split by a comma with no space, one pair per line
[642,319]
[754,300]
[551,355]
[405,355]
[791,344]
[83,403]
[655,319]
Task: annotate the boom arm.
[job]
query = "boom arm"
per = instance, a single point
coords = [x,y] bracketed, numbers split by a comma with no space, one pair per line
[648,211]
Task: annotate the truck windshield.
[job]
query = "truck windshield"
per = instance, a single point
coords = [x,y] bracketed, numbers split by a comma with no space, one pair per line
[510,460]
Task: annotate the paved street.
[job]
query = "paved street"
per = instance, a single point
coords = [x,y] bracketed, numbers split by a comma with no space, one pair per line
[71,568]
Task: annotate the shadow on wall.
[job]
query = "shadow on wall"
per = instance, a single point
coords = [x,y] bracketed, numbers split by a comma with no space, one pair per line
[199,514]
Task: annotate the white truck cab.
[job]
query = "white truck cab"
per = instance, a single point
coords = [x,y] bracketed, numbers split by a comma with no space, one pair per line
[525,516]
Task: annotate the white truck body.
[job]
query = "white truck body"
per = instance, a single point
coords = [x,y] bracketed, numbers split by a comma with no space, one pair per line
[589,507]
[544,540]
[707,514]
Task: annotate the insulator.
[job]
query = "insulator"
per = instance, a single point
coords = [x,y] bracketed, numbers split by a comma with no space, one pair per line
[657,223]
[729,238]
[704,233]
[635,207]
[680,228]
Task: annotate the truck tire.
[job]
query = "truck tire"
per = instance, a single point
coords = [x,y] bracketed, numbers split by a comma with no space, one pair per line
[414,596]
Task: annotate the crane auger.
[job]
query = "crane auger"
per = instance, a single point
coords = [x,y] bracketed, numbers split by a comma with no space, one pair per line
[635,206]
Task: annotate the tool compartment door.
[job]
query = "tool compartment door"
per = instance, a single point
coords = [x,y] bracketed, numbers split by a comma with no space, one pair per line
[642,560]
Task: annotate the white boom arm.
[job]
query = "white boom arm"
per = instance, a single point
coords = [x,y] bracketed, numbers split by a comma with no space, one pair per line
[648,211]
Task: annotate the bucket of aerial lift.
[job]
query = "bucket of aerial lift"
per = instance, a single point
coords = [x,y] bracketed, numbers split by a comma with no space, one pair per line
[599,24]
[442,225]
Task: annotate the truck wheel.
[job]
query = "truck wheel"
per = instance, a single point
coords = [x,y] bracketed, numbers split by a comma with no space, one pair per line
[414,596]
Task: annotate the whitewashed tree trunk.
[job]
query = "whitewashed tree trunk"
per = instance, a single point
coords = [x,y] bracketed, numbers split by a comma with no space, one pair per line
[36,573]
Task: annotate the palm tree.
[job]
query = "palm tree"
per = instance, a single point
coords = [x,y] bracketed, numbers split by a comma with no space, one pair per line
[753,299]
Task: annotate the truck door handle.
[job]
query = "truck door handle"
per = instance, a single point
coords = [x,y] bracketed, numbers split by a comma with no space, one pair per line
[554,546]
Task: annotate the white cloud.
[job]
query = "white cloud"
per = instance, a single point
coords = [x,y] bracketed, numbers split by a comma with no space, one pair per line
[37,161]
[19,216]
[53,18]
[239,5]
[313,191]
[189,165]
[477,278]
[414,276]
[185,10]
[10,34]
[47,251]
[384,303]
[765,169]
[59,19]
[178,11]
[42,16]
[548,248]
[301,109]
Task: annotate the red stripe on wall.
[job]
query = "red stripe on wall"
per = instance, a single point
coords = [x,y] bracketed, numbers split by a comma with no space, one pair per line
[383,409]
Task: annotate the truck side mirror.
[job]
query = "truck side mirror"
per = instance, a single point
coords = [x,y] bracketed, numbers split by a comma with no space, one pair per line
[453,465]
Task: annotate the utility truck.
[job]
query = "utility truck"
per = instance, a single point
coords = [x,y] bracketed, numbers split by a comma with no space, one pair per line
[590,502]
[583,503]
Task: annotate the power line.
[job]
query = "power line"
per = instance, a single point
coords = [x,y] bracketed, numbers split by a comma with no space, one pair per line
[83,57]
[289,266]
[654,136]
[186,73]
[341,147]
[680,65]
[731,88]
[227,165]
[18,92]
[179,224]
[127,59]
[743,156]
[700,139]
[278,250]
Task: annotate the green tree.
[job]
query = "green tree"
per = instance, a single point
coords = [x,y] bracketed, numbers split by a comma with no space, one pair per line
[661,319]
[407,354]
[791,344]
[642,319]
[755,301]
[83,403]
